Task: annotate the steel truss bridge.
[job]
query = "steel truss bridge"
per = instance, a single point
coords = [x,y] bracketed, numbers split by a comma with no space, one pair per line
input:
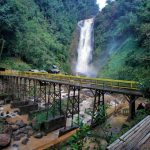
[48,87]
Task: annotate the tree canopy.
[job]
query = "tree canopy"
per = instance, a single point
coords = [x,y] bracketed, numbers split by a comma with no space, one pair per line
[39,31]
[122,29]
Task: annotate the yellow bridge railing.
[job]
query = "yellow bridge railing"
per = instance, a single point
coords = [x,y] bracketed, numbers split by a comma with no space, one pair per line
[101,82]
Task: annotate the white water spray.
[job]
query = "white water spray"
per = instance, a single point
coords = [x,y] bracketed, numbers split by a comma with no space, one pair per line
[85,47]
[101,4]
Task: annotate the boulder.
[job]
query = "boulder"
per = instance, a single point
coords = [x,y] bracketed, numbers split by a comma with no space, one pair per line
[20,123]
[7,129]
[17,132]
[22,135]
[17,112]
[44,134]
[2,114]
[14,127]
[15,146]
[23,130]
[30,133]
[5,140]
[25,141]
[38,135]
[141,106]
[28,127]
[17,138]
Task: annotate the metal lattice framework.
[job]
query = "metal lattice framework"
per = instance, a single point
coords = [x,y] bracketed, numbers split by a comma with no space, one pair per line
[47,88]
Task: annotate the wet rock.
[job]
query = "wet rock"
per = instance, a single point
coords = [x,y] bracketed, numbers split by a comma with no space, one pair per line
[7,112]
[15,147]
[22,135]
[11,123]
[44,134]
[20,123]
[28,136]
[7,129]
[14,127]
[28,127]
[2,114]
[25,141]
[13,115]
[17,111]
[8,116]
[17,138]
[38,135]
[17,132]
[4,140]
[22,130]
[30,133]
[141,106]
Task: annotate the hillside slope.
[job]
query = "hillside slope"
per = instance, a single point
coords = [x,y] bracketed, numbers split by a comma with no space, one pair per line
[39,31]
[122,32]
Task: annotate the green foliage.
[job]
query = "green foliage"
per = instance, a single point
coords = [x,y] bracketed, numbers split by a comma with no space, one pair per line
[145,87]
[39,31]
[122,30]
[76,142]
[14,63]
[100,116]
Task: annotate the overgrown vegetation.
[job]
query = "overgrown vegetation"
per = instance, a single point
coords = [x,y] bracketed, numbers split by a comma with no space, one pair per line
[122,31]
[85,136]
[39,31]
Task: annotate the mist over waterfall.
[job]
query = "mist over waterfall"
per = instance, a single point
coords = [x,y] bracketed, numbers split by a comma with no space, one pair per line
[84,64]
[85,48]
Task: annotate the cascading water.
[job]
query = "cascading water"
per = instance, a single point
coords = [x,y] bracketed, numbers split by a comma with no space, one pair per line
[85,47]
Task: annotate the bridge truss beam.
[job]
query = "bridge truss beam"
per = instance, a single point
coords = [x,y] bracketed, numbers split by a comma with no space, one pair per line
[50,93]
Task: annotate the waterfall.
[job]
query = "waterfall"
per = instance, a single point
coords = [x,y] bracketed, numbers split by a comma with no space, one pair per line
[85,48]
[84,64]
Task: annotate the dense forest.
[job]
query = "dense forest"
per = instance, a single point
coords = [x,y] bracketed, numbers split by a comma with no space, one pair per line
[38,32]
[122,40]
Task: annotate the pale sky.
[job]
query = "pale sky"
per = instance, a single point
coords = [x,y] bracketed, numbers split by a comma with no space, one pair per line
[101,3]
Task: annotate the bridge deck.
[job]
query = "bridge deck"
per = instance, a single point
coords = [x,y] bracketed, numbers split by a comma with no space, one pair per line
[107,85]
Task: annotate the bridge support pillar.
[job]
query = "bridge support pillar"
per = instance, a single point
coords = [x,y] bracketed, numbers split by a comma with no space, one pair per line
[98,107]
[131,110]
[73,103]
[131,100]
